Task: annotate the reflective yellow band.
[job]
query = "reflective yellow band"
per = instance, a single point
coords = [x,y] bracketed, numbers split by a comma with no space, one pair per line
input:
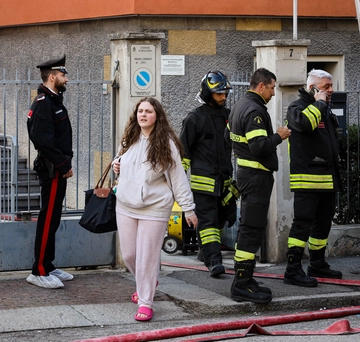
[210,239]
[250,163]
[242,256]
[292,242]
[201,187]
[306,181]
[186,163]
[256,133]
[316,244]
[209,235]
[234,190]
[202,183]
[226,199]
[209,231]
[238,138]
[313,114]
[202,179]
[227,182]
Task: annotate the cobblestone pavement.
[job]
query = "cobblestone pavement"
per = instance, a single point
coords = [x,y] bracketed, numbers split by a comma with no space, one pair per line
[92,287]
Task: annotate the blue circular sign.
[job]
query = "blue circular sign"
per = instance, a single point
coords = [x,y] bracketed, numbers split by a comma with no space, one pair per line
[143,78]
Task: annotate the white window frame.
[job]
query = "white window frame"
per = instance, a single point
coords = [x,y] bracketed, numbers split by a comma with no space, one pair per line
[335,65]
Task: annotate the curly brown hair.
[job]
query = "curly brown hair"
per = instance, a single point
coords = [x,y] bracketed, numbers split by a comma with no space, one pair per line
[159,152]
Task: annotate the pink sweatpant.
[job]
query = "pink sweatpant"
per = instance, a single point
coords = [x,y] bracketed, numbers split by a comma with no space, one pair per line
[140,244]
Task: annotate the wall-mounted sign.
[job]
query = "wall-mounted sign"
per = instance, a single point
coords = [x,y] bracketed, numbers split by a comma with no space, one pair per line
[142,64]
[172,65]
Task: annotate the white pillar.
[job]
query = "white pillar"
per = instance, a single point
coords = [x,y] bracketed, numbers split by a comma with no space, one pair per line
[138,56]
[287,59]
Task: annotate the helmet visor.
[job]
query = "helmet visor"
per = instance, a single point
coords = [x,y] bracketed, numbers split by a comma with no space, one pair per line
[217,83]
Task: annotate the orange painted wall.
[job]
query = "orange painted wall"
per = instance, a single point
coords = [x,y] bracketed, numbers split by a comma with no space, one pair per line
[22,12]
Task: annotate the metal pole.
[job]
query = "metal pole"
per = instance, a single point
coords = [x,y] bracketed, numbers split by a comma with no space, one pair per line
[295,19]
[357,5]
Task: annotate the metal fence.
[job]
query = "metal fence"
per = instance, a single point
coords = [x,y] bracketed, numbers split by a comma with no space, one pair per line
[348,206]
[89,106]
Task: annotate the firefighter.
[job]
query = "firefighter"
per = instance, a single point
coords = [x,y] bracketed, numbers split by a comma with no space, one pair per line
[209,158]
[254,143]
[314,179]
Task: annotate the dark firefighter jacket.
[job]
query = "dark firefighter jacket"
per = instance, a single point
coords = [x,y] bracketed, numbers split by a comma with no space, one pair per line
[50,129]
[313,145]
[206,151]
[251,132]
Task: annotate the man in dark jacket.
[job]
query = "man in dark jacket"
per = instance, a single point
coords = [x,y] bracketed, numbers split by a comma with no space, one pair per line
[254,144]
[50,131]
[209,158]
[314,178]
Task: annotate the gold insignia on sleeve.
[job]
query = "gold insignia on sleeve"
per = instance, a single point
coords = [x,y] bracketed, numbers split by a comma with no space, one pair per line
[258,119]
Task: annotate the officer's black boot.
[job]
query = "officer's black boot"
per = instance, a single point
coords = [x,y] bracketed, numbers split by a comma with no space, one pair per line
[318,267]
[294,274]
[244,288]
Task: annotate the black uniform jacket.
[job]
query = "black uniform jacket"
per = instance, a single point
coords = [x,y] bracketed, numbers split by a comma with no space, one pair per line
[50,129]
[209,155]
[314,146]
[251,132]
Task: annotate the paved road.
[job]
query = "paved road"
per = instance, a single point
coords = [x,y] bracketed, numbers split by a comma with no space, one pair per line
[97,304]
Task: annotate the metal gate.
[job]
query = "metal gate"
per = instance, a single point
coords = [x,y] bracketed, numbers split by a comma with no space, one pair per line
[89,106]
[240,84]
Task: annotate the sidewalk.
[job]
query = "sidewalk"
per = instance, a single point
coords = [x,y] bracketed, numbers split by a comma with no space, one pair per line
[101,297]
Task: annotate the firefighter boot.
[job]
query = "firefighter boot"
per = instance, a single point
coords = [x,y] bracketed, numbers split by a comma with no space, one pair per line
[211,253]
[318,267]
[260,288]
[216,268]
[294,274]
[244,288]
[200,256]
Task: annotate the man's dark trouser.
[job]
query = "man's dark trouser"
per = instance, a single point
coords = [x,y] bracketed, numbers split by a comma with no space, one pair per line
[313,214]
[255,187]
[52,196]
[211,219]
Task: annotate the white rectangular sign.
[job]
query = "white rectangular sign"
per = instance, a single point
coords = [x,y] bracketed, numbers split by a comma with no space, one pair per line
[172,65]
[142,63]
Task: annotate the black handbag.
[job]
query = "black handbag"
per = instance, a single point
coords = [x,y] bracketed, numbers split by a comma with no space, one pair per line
[99,214]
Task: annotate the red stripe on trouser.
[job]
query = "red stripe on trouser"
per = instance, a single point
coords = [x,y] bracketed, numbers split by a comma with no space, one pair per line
[49,213]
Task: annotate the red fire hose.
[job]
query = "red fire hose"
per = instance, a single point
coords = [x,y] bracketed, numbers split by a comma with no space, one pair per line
[155,335]
[340,327]
[271,276]
[252,325]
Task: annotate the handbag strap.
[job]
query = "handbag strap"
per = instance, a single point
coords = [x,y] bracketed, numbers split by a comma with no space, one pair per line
[102,179]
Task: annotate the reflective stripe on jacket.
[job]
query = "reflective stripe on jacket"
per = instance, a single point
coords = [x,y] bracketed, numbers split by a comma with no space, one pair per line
[313,145]
[250,130]
[207,154]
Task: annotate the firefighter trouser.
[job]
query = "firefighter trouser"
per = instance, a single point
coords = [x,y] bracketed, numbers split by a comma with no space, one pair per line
[313,213]
[52,196]
[211,221]
[255,187]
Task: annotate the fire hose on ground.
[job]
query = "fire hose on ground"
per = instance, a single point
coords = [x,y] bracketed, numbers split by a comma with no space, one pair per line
[252,326]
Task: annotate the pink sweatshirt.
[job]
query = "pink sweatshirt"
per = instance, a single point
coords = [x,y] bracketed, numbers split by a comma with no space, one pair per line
[141,190]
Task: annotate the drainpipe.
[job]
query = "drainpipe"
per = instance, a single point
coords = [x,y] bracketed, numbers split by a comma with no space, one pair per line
[295,14]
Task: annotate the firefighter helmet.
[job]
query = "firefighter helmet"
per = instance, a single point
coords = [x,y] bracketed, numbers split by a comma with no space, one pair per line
[213,82]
